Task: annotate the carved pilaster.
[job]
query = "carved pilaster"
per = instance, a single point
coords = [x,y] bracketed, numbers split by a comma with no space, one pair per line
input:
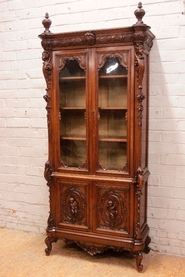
[141,179]
[138,192]
[47,71]
[140,68]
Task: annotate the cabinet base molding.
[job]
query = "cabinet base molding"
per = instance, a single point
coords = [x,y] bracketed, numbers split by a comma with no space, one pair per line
[134,247]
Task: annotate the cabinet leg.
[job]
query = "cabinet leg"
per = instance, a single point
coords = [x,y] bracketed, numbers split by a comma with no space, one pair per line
[139,257]
[48,242]
[147,248]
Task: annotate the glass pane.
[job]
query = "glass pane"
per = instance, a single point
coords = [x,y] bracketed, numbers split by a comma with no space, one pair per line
[112,92]
[112,103]
[72,69]
[72,85]
[110,122]
[112,155]
[73,153]
[113,67]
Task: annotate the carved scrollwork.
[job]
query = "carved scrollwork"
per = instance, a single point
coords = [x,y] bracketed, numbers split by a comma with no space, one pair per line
[94,249]
[47,67]
[73,206]
[48,173]
[123,58]
[80,59]
[112,211]
[139,62]
[48,242]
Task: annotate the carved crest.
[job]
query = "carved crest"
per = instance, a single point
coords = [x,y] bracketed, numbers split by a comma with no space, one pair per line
[89,38]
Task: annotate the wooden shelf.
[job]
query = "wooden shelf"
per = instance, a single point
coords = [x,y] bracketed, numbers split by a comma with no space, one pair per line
[73,108]
[113,108]
[72,138]
[72,78]
[112,76]
[113,139]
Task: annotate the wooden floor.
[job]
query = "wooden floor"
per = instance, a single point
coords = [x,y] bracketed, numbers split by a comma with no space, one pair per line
[22,255]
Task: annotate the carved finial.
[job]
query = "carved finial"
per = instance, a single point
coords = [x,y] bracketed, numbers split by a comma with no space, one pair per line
[46,23]
[139,13]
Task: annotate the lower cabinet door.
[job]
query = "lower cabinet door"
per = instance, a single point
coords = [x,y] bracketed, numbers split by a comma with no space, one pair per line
[74,205]
[113,210]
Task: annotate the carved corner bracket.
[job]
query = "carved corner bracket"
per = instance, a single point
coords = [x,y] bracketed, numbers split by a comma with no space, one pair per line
[50,222]
[48,173]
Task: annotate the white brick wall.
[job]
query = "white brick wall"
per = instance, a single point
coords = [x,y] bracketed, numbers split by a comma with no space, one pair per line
[23,133]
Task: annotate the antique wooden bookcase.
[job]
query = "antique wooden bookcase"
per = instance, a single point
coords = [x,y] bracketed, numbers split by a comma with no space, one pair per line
[97,114]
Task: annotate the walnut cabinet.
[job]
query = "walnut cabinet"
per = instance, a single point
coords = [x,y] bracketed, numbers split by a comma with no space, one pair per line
[97,115]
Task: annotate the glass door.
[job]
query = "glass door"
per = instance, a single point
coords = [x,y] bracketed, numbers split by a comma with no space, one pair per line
[72,94]
[112,124]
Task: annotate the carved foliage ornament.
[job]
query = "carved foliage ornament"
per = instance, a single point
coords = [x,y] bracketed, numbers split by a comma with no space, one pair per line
[140,68]
[89,38]
[47,71]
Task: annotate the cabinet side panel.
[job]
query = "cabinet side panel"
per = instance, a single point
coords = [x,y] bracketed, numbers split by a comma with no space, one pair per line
[144,132]
[143,205]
